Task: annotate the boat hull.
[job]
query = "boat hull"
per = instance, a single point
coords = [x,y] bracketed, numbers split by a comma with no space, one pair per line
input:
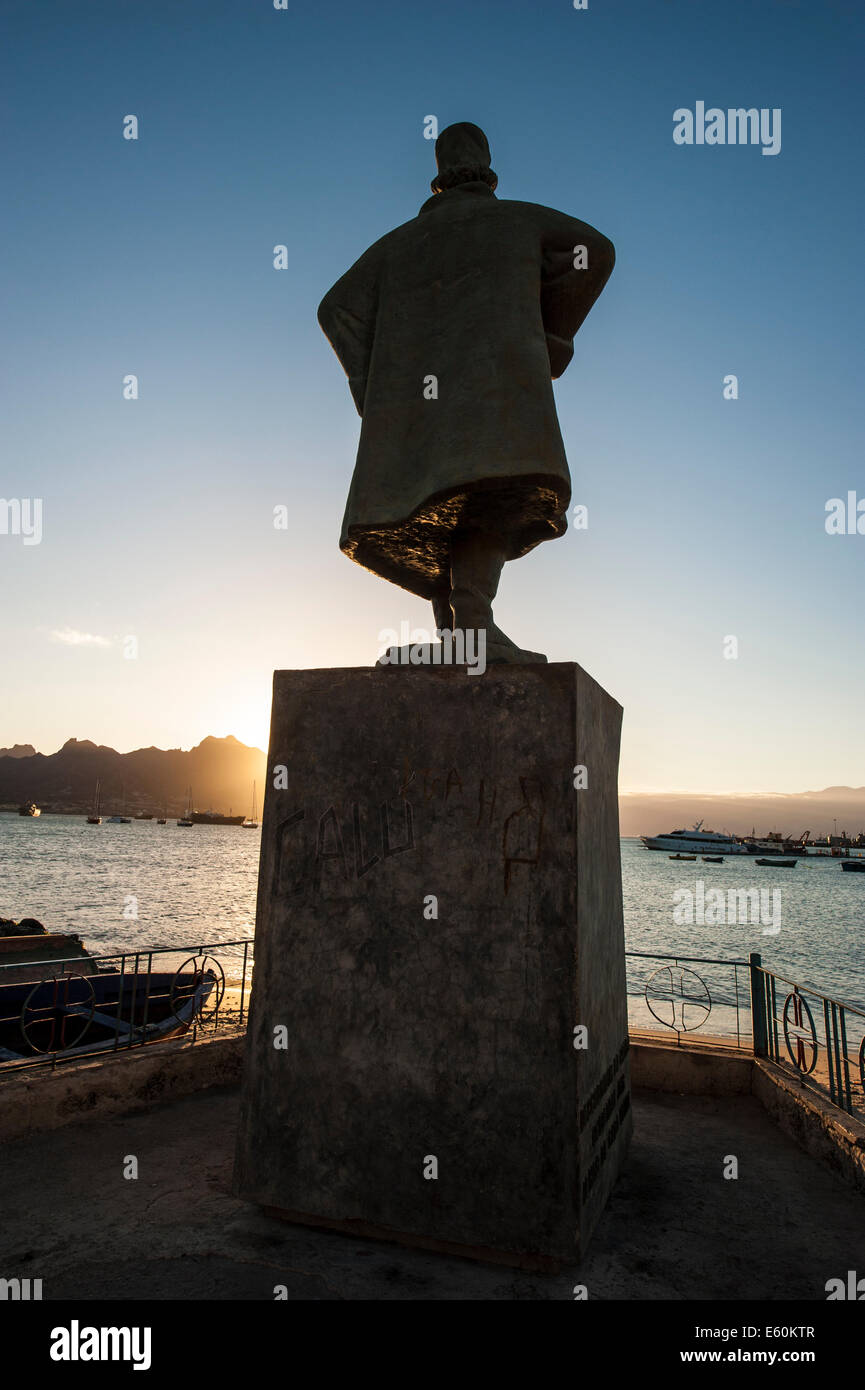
[76,1014]
[213,818]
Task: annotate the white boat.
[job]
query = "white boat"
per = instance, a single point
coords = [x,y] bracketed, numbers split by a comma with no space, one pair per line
[696,841]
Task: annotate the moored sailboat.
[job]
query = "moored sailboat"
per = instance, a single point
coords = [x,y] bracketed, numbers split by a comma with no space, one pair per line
[251,823]
[186,819]
[95,818]
[121,818]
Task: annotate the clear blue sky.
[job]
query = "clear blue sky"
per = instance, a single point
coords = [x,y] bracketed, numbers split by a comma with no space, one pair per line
[305,127]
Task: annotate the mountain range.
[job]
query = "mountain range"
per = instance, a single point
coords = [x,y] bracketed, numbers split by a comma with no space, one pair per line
[792,813]
[220,772]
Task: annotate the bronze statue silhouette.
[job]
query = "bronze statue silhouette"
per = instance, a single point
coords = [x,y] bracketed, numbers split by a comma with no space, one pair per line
[451,329]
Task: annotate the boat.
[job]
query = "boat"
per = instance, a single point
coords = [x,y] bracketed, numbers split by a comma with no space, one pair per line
[161,820]
[777,863]
[215,818]
[186,819]
[854,866]
[694,841]
[65,1005]
[95,818]
[713,858]
[251,822]
[121,819]
[29,809]
[689,857]
[776,843]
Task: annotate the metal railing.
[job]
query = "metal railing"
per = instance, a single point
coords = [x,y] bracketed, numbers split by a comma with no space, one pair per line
[61,1010]
[681,999]
[90,1006]
[769,1015]
[828,1052]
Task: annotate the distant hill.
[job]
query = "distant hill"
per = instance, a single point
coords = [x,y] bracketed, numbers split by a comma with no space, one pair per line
[792,813]
[221,772]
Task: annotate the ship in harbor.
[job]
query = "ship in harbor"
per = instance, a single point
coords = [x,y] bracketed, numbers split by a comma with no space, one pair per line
[775,843]
[696,841]
[213,818]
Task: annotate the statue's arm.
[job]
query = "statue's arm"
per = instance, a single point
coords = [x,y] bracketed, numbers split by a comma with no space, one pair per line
[347,315]
[568,291]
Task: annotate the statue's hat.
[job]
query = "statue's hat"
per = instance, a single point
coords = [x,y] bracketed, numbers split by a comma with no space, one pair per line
[462,151]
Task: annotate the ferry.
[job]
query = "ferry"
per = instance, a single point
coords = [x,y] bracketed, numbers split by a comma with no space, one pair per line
[696,841]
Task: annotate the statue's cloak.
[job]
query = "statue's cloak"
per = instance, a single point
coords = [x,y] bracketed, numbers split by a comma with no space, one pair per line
[481,295]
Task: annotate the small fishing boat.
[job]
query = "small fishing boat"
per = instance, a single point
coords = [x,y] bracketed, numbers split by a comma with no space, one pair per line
[29,809]
[689,857]
[713,858]
[81,1009]
[854,866]
[777,863]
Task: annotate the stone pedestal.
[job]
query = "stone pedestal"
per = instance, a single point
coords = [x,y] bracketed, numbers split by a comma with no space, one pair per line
[439,909]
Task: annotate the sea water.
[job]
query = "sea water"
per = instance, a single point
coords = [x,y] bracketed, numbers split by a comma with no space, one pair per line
[130,887]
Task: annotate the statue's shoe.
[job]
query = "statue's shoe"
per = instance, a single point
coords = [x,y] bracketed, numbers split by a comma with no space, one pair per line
[500,648]
[509,651]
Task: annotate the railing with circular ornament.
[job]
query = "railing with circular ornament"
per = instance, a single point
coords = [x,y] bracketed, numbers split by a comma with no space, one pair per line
[824,1044]
[792,1024]
[197,990]
[671,991]
[57,1012]
[54,1011]
[682,998]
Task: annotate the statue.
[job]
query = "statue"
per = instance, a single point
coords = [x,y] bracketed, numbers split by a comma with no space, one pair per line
[450,330]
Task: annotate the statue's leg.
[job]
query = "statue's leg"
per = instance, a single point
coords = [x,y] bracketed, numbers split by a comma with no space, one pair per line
[477,559]
[442,611]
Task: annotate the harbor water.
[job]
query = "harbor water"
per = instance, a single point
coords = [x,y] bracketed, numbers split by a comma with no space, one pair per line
[136,886]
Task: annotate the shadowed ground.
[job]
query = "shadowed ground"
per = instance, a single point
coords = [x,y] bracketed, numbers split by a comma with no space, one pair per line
[675,1228]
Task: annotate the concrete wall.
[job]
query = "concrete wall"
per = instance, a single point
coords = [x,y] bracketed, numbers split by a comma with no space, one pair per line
[40,1098]
[817,1126]
[692,1071]
[821,1129]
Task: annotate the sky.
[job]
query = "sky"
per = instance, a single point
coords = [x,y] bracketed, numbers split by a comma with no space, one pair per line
[304,127]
